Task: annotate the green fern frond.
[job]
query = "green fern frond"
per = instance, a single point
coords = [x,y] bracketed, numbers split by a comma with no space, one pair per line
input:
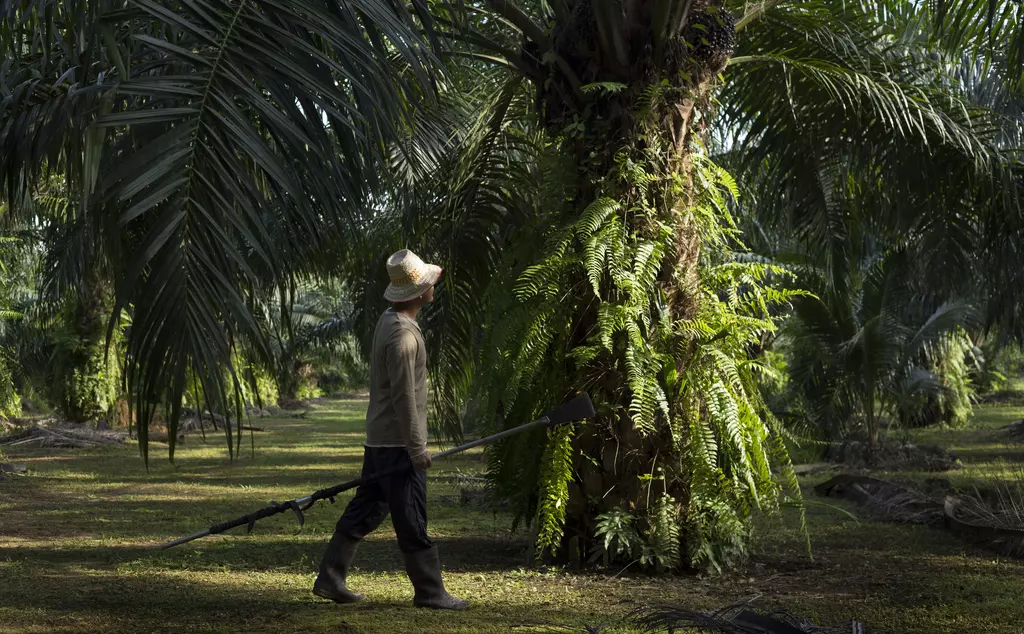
[716,175]
[618,531]
[595,216]
[664,534]
[725,415]
[531,353]
[703,436]
[538,279]
[646,267]
[585,355]
[726,367]
[556,472]
[611,318]
[594,256]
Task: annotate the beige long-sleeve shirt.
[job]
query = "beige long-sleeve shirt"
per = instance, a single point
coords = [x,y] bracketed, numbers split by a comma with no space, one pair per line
[397,414]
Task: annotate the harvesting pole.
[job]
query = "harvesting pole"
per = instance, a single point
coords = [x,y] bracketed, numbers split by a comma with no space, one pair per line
[579,408]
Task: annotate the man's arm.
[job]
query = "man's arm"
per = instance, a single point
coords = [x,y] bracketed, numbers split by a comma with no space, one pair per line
[401,364]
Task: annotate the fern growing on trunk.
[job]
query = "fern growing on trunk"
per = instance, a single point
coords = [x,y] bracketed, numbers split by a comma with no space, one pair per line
[620,302]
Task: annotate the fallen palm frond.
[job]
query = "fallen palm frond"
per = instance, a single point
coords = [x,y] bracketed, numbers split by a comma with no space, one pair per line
[992,517]
[63,435]
[892,501]
[993,520]
[912,507]
[738,618]
[992,528]
[1015,430]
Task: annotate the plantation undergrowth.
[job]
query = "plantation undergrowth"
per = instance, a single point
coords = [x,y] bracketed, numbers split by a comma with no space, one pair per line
[76,537]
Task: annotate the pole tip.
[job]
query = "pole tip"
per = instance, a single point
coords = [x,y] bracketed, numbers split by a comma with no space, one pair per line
[579,408]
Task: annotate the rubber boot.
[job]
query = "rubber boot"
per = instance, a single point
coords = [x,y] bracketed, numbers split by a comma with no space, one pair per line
[330,584]
[424,569]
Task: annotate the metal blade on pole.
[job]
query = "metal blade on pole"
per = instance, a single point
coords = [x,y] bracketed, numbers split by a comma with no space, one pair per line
[579,408]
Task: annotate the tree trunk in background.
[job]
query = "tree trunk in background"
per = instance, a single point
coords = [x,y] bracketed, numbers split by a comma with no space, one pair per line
[869,409]
[10,401]
[87,378]
[290,376]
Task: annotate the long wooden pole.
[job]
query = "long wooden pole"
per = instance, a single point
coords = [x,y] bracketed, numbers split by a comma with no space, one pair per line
[579,408]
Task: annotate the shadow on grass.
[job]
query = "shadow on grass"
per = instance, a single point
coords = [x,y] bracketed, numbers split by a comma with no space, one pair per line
[256,598]
[160,601]
[281,464]
[41,510]
[378,554]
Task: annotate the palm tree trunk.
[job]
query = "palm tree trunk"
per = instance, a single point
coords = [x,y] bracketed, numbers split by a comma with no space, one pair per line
[87,377]
[10,401]
[869,409]
[624,454]
[646,127]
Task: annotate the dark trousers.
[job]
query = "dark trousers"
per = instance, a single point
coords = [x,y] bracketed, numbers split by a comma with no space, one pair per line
[404,495]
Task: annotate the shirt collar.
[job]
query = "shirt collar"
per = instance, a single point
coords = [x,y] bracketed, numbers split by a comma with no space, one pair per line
[404,318]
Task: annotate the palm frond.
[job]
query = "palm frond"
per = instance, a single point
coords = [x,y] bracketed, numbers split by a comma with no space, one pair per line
[461,214]
[991,31]
[845,93]
[244,138]
[906,147]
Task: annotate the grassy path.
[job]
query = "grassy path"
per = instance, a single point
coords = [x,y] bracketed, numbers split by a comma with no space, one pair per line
[74,537]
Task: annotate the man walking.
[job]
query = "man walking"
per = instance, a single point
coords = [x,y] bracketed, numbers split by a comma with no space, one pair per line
[396,436]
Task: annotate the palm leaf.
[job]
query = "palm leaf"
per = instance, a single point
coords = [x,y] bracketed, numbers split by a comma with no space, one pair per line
[989,30]
[238,119]
[462,214]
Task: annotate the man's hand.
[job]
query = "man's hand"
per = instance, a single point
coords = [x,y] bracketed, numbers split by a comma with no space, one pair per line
[422,461]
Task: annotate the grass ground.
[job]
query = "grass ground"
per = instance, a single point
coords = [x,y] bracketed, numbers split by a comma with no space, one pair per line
[76,537]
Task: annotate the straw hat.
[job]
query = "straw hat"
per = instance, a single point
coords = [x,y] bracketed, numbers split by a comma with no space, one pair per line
[410,276]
